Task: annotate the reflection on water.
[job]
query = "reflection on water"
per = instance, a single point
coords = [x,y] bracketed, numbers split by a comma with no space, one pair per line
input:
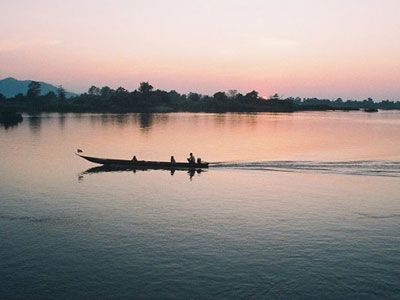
[303,205]
[144,120]
[35,123]
[106,169]
[223,137]
[9,125]
[61,120]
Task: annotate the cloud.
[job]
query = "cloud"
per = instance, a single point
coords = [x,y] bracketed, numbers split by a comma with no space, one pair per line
[11,45]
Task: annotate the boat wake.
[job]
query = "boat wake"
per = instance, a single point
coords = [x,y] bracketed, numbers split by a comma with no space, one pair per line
[367,168]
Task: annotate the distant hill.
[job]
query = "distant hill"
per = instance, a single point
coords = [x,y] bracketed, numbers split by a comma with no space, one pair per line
[10,87]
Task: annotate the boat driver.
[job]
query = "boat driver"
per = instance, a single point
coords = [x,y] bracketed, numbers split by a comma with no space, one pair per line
[191,159]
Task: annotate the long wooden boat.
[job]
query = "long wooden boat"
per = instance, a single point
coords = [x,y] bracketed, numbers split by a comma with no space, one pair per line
[125,163]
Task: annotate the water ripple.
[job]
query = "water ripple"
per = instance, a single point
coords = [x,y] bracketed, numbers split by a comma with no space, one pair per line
[390,216]
[41,219]
[364,167]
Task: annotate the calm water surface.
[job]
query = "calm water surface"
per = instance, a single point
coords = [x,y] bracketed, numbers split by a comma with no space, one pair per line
[301,206]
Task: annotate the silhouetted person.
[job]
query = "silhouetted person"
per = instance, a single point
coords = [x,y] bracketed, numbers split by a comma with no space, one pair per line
[191,159]
[134,159]
[199,160]
[173,160]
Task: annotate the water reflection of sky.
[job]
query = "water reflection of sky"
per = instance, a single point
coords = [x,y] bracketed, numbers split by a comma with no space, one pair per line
[223,137]
[238,229]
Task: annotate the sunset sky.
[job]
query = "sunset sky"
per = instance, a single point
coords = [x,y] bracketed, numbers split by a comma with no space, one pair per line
[327,49]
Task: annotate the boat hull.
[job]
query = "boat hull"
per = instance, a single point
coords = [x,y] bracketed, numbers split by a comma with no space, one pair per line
[121,163]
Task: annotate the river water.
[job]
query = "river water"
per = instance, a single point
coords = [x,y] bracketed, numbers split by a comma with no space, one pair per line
[300,206]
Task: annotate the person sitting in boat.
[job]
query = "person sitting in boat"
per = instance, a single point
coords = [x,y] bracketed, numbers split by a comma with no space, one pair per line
[199,160]
[134,159]
[173,160]
[191,159]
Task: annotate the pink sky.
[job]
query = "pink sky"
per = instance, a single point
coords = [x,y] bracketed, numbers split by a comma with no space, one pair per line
[330,49]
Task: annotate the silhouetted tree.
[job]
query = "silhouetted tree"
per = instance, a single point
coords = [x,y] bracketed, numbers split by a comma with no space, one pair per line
[34,89]
[232,94]
[145,88]
[145,99]
[275,97]
[253,95]
[120,98]
[121,91]
[162,97]
[61,93]
[19,97]
[106,92]
[94,91]
[194,97]
[339,101]
[50,96]
[174,97]
[220,97]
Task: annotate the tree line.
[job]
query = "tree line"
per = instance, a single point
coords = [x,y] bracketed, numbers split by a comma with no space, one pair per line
[147,99]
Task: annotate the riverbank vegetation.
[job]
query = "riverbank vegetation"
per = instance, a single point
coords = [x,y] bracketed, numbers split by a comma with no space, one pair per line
[9,117]
[146,99]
